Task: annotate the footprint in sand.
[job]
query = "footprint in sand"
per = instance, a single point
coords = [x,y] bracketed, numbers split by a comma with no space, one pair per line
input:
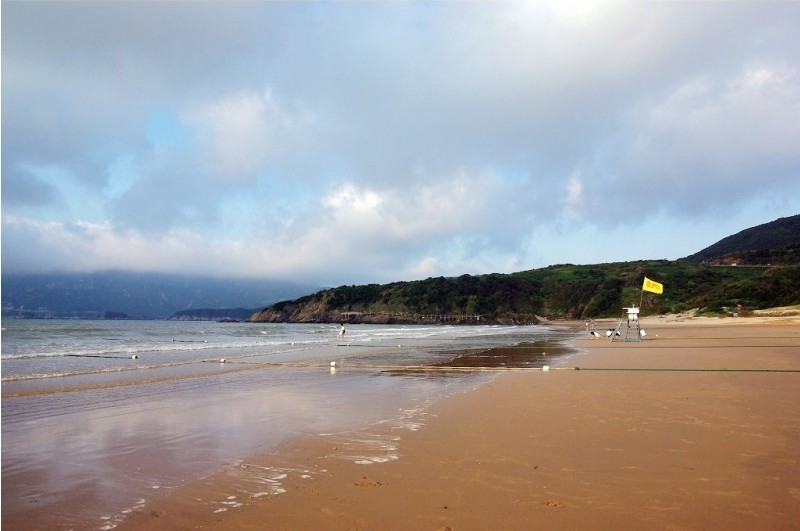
[553,503]
[366,482]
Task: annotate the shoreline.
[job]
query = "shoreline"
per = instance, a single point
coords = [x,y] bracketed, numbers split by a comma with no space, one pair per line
[85,451]
[696,439]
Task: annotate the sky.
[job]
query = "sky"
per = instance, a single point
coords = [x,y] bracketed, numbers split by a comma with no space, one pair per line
[369,142]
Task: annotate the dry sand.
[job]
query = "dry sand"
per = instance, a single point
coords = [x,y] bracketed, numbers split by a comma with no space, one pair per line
[708,437]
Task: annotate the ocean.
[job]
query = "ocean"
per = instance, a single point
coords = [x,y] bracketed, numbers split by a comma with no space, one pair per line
[100,417]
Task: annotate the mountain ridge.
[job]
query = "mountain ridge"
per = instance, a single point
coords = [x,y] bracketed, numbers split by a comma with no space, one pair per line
[774,242]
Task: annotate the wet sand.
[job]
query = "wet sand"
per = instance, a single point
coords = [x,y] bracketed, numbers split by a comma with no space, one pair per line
[697,427]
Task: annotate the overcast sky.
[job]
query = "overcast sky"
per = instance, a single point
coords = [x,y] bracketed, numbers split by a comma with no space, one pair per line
[349,143]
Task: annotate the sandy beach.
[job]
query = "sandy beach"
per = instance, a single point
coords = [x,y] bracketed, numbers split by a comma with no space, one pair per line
[697,427]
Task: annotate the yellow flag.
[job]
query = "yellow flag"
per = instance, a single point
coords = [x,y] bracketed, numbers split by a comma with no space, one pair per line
[650,285]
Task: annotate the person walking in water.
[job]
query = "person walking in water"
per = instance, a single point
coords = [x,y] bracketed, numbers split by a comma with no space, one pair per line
[342,331]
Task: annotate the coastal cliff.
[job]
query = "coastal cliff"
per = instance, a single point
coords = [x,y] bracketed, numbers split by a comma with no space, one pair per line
[322,308]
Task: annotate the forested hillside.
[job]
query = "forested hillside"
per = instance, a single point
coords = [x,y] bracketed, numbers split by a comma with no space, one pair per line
[561,291]
[754,269]
[776,242]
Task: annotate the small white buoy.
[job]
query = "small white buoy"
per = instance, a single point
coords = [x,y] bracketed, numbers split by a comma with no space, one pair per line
[399,346]
[546,368]
[333,364]
[222,360]
[134,357]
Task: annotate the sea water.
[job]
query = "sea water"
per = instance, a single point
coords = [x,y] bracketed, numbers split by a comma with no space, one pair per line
[100,417]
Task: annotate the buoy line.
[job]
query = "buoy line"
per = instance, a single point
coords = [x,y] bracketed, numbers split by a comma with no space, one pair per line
[465,368]
[677,369]
[100,356]
[547,368]
[447,368]
[616,344]
[455,368]
[472,351]
[704,338]
[509,347]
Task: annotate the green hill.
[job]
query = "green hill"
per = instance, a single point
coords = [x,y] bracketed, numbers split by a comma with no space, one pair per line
[756,268]
[776,242]
[556,292]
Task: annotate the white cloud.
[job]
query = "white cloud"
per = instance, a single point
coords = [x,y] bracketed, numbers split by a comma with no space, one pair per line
[352,207]
[369,141]
[439,204]
[714,140]
[238,133]
[575,199]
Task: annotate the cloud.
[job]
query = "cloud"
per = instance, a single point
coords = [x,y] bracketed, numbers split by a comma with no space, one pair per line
[713,140]
[239,133]
[363,142]
[25,188]
[575,198]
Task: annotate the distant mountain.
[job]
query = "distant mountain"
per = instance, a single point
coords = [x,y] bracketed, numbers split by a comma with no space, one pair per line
[213,314]
[560,291]
[776,242]
[136,295]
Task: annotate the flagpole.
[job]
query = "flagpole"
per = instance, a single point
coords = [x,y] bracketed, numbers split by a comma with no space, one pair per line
[641,297]
[650,285]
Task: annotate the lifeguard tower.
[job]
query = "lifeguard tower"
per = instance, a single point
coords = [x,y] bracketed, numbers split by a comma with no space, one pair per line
[630,322]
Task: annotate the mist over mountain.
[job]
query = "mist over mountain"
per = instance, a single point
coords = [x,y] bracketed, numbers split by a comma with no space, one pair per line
[757,268]
[120,294]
